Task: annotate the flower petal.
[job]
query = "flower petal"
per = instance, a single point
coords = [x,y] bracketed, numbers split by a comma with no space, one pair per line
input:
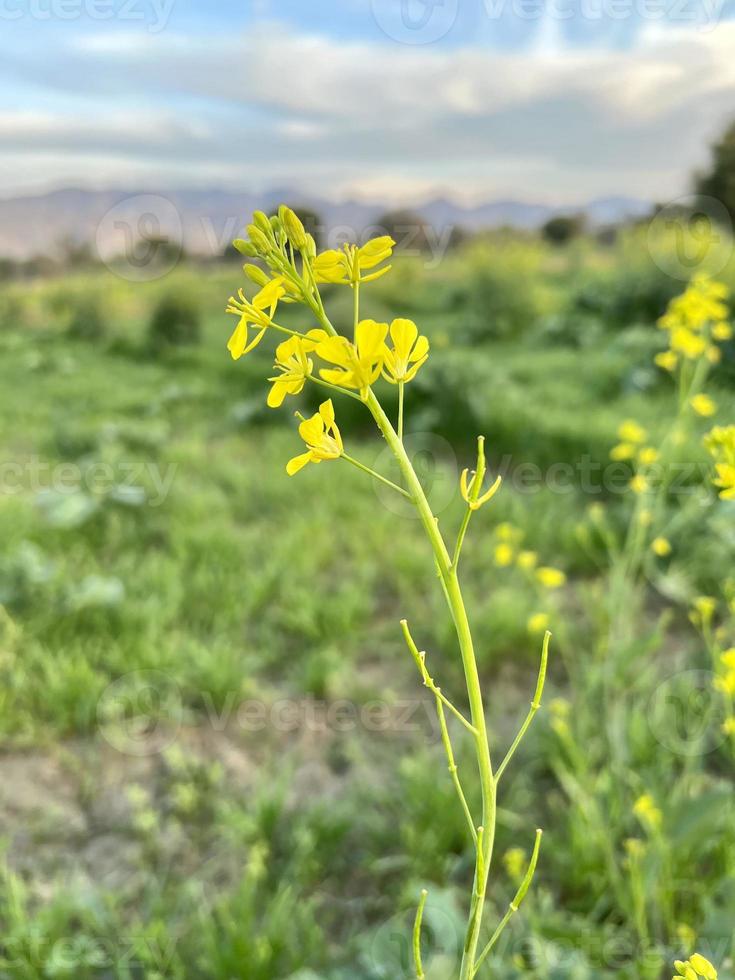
[403,334]
[298,463]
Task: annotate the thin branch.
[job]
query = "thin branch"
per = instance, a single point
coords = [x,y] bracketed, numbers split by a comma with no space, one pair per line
[446,740]
[377,476]
[535,705]
[460,537]
[420,975]
[515,904]
[340,391]
[429,681]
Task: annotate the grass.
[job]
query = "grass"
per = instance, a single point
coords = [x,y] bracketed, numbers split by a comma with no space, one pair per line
[218,760]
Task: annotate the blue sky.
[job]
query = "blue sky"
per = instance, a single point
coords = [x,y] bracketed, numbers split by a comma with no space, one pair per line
[548,100]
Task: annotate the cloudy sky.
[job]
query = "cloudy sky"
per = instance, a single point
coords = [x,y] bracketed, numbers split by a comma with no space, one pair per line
[547,100]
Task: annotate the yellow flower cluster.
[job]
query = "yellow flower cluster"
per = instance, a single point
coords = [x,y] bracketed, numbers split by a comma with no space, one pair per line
[725,682]
[631,447]
[694,968]
[394,352]
[508,552]
[648,813]
[721,444]
[695,322]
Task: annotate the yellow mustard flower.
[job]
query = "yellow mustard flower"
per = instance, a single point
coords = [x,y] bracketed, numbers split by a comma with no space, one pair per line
[347,265]
[506,531]
[648,456]
[722,331]
[527,560]
[728,726]
[504,554]
[667,360]
[623,452]
[694,968]
[551,578]
[259,312]
[515,861]
[295,365]
[726,683]
[661,547]
[721,444]
[713,354]
[359,364]
[639,484]
[409,352]
[703,405]
[687,343]
[322,437]
[559,711]
[647,812]
[632,431]
[703,609]
[538,623]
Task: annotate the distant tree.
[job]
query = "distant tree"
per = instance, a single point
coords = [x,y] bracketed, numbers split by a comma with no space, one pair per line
[412,233]
[561,229]
[719,181]
[175,322]
[75,254]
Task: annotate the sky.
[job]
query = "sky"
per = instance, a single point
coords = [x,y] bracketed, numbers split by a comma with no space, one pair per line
[555,101]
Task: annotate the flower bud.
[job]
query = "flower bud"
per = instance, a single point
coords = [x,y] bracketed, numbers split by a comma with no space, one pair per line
[245,247]
[256,274]
[293,227]
[259,240]
[262,221]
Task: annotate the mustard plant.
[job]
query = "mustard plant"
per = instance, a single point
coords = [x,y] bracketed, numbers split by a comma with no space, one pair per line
[350,364]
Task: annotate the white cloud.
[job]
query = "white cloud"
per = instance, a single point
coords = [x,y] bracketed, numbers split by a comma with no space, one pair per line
[275,105]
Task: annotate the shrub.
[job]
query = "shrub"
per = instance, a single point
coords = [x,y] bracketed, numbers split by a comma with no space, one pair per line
[88,320]
[176,322]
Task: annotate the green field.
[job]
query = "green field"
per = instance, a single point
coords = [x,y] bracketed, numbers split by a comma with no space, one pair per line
[218,761]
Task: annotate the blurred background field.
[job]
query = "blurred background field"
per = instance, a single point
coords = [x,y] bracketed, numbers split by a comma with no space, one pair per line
[217,758]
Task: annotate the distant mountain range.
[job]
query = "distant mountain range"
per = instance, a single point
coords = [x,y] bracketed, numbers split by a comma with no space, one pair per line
[207,220]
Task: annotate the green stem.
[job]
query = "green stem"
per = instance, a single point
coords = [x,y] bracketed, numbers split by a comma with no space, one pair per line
[535,705]
[377,476]
[401,386]
[455,600]
[515,904]
[420,975]
[340,391]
